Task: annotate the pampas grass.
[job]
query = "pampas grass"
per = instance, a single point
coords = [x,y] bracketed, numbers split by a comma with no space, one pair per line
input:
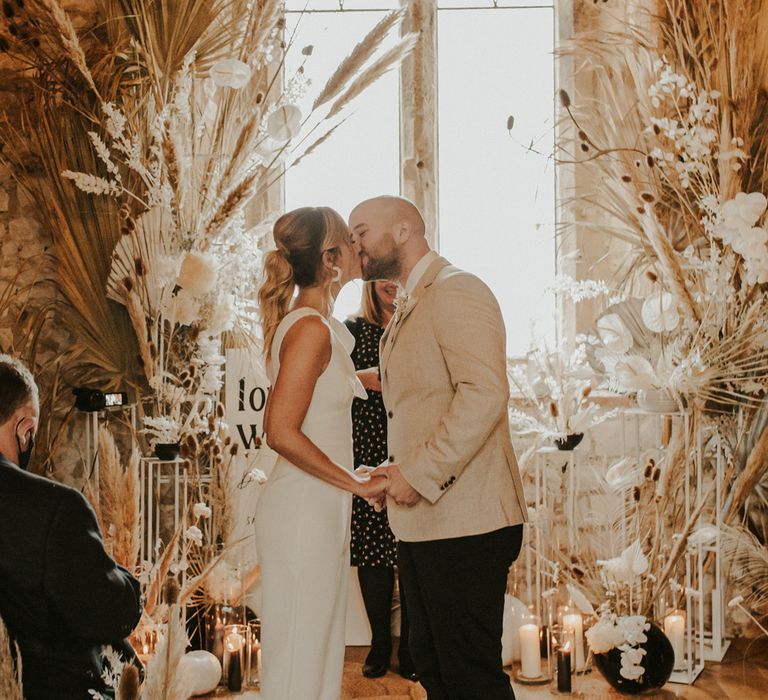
[163,681]
[388,60]
[116,501]
[10,670]
[358,57]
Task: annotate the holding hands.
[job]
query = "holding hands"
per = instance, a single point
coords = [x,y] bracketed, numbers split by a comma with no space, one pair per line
[395,486]
[372,487]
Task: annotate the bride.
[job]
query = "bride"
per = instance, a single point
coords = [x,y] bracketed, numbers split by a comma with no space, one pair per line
[303,512]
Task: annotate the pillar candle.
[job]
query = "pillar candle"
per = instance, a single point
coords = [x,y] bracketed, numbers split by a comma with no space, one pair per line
[573,622]
[530,659]
[674,628]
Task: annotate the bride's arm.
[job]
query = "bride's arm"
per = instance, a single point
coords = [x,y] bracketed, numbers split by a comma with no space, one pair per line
[304,354]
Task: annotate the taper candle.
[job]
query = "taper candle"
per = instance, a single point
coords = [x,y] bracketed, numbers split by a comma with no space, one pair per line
[564,669]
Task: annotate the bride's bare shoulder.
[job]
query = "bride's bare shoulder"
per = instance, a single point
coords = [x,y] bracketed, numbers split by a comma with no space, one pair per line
[309,334]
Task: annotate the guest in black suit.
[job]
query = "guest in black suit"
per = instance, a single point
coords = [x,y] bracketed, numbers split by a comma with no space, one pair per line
[61,596]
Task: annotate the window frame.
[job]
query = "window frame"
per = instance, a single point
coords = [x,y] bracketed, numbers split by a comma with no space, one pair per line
[419,132]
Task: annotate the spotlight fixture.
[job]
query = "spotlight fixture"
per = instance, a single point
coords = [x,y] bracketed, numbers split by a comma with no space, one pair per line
[91,400]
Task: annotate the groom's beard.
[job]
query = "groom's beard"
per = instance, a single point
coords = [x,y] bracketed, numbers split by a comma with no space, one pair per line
[383,264]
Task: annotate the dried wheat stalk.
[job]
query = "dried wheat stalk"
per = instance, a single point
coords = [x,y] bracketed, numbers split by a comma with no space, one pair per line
[70,40]
[10,670]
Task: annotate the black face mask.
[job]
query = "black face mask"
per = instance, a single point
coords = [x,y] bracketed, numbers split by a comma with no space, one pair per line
[25,455]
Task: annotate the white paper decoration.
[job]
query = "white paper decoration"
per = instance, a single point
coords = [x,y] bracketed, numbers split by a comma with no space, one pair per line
[284,123]
[230,72]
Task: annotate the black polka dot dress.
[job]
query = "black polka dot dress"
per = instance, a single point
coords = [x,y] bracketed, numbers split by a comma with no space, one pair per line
[373,543]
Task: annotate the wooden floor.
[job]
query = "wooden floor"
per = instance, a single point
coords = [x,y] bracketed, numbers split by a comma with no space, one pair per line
[742,675]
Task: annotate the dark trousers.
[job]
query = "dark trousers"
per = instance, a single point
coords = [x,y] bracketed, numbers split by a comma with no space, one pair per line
[454,590]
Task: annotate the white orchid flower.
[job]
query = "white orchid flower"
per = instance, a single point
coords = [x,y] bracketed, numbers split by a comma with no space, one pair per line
[659,312]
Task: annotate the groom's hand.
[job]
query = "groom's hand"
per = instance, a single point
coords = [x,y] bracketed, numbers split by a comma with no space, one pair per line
[398,489]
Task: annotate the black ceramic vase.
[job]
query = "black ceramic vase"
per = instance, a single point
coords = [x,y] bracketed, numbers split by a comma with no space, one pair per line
[658,663]
[569,442]
[167,451]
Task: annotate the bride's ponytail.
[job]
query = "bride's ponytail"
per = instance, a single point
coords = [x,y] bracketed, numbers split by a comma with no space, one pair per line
[301,237]
[275,295]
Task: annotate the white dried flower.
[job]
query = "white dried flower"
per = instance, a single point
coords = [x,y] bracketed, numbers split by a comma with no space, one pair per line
[659,312]
[230,72]
[257,475]
[284,123]
[198,274]
[222,317]
[195,535]
[201,510]
[182,308]
[92,184]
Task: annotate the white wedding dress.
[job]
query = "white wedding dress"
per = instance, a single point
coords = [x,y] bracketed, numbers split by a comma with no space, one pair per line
[302,537]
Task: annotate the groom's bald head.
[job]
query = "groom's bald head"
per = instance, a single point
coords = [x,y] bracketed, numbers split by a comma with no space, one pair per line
[387,232]
[392,210]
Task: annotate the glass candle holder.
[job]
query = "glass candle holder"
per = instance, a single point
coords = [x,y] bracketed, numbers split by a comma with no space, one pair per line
[235,637]
[530,650]
[570,618]
[674,628]
[253,654]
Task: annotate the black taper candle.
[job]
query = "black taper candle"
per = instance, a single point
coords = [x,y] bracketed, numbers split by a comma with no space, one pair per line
[235,673]
[564,670]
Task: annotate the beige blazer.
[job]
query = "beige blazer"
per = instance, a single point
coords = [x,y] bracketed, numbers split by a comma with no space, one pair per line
[445,386]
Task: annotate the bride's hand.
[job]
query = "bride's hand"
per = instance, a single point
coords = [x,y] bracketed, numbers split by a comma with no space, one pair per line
[371,488]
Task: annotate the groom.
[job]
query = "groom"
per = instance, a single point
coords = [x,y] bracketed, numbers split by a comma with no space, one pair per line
[455,498]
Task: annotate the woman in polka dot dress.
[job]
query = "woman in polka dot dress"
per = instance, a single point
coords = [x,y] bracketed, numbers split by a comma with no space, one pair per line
[373,548]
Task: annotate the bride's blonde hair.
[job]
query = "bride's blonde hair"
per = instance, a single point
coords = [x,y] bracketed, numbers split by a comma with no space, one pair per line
[301,237]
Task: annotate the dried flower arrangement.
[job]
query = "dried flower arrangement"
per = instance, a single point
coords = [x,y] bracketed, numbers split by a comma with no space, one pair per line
[152,127]
[556,387]
[680,151]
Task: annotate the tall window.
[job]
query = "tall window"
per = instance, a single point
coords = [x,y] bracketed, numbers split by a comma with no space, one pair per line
[362,158]
[495,186]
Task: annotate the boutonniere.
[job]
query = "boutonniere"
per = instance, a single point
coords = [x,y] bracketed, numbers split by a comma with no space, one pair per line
[403,303]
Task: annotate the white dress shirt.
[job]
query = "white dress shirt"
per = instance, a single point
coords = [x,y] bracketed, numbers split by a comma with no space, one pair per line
[419,269]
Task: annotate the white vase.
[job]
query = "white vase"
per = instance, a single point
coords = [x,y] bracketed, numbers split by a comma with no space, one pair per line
[657,401]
